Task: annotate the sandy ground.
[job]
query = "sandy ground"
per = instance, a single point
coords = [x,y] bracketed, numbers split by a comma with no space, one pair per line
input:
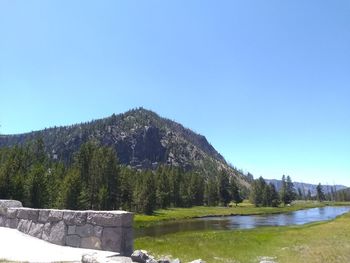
[16,246]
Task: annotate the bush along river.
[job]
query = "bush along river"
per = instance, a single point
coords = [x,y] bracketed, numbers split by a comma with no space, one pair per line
[245,222]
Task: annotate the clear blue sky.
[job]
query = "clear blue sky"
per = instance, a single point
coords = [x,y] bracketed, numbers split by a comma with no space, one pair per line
[267,82]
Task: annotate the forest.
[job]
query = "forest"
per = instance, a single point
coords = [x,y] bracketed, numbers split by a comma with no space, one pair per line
[95,180]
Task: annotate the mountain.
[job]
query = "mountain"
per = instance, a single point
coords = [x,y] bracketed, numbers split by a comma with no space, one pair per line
[142,139]
[304,187]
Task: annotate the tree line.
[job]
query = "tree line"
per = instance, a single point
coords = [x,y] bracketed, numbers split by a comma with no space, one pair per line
[95,180]
[264,194]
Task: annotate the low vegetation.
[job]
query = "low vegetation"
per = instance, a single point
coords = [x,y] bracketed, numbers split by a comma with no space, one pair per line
[317,242]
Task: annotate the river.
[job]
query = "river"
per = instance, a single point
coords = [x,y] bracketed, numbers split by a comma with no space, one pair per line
[245,222]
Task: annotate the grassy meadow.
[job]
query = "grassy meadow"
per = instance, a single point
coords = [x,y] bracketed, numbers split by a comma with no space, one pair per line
[317,242]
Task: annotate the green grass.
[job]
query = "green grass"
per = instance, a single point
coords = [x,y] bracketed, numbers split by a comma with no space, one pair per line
[318,242]
[164,215]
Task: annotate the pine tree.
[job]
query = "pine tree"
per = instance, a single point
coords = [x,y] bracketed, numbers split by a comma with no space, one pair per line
[235,193]
[211,194]
[275,199]
[71,189]
[258,192]
[224,189]
[320,193]
[287,191]
[126,187]
[283,191]
[290,190]
[162,189]
[144,194]
[37,187]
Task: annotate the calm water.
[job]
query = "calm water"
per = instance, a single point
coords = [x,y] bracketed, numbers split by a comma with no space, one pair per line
[245,222]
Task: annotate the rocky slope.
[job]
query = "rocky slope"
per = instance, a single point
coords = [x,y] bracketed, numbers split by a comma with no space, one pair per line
[141,138]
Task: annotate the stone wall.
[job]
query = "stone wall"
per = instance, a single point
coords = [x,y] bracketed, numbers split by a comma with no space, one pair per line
[103,230]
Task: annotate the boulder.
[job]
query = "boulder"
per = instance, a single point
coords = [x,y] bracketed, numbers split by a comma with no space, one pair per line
[139,256]
[197,261]
[89,258]
[95,258]
[164,260]
[176,260]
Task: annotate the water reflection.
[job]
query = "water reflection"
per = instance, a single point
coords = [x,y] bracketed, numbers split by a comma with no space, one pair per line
[246,222]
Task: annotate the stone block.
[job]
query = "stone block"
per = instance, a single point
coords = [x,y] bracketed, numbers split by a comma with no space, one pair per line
[3,211]
[77,218]
[98,231]
[10,203]
[44,215]
[128,240]
[58,233]
[73,240]
[112,239]
[36,230]
[13,223]
[11,212]
[110,219]
[7,222]
[71,230]
[22,214]
[24,225]
[85,230]
[2,220]
[55,216]
[46,232]
[91,242]
[28,213]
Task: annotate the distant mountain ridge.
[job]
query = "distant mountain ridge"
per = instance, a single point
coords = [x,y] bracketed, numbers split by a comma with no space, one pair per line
[305,187]
[141,138]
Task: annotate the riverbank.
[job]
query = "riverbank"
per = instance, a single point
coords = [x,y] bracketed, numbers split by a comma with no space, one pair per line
[317,242]
[246,208]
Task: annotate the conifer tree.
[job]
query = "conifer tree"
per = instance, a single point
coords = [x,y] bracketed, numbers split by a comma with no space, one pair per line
[235,193]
